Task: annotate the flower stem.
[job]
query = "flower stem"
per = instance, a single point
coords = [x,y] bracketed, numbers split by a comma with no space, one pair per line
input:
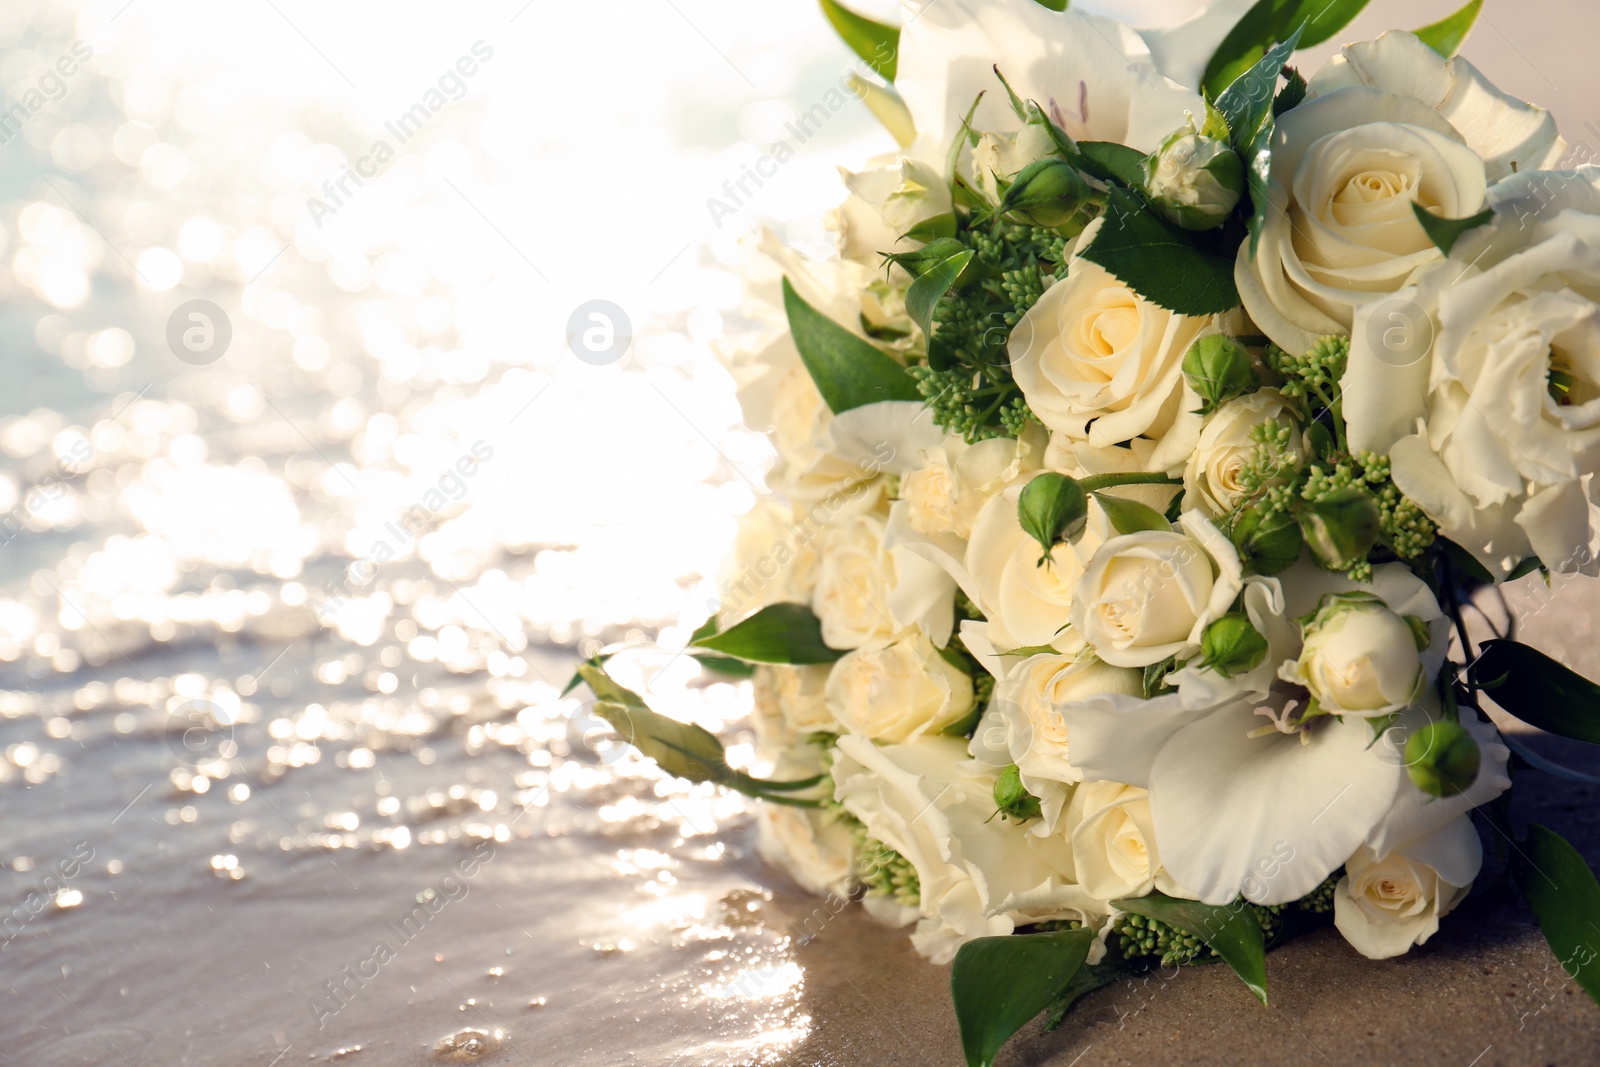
[1106,481]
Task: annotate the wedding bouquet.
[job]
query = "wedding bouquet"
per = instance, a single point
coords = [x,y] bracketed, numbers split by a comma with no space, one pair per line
[1137,454]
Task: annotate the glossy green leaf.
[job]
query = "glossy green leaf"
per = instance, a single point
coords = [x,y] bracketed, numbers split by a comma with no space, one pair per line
[1231,930]
[1445,232]
[1000,983]
[679,748]
[1447,35]
[1110,161]
[924,293]
[1561,889]
[848,371]
[1130,516]
[1539,690]
[876,43]
[1269,22]
[1247,104]
[1161,263]
[1088,979]
[778,633]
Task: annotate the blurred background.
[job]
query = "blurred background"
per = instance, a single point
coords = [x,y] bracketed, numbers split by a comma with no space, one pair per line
[309,501]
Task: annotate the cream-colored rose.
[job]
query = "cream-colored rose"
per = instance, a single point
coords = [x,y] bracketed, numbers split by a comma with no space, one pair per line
[801,698]
[955,480]
[1211,481]
[1495,428]
[854,575]
[1359,658]
[884,203]
[1096,360]
[897,690]
[1512,136]
[772,561]
[1025,603]
[1026,724]
[1149,595]
[1384,906]
[1113,836]
[1340,228]
[812,845]
[978,875]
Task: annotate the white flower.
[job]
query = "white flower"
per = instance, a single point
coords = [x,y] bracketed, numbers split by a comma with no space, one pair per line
[1509,134]
[814,850]
[1149,595]
[772,561]
[854,576]
[1384,906]
[1025,603]
[1494,430]
[1094,77]
[978,875]
[1359,658]
[1095,360]
[1237,810]
[955,480]
[1211,480]
[1346,169]
[1194,180]
[1024,725]
[801,698]
[1002,156]
[884,203]
[897,690]
[1113,842]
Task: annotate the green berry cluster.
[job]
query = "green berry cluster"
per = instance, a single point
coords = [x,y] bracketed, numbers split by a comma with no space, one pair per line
[966,380]
[1139,937]
[882,870]
[1314,375]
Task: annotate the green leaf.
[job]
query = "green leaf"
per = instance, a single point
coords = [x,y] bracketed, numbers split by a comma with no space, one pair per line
[1230,929]
[679,748]
[778,633]
[848,371]
[924,294]
[1445,232]
[733,668]
[1561,889]
[1130,516]
[1539,690]
[1000,983]
[1247,104]
[874,42]
[1271,21]
[1161,263]
[1110,161]
[1446,35]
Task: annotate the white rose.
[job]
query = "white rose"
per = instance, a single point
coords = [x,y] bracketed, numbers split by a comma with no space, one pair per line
[977,875]
[1024,723]
[1346,169]
[1114,843]
[1494,430]
[1097,361]
[800,693]
[955,480]
[1359,658]
[1211,481]
[854,576]
[1194,180]
[1025,603]
[1509,134]
[897,690]
[1149,595]
[1384,906]
[814,850]
[885,203]
[772,561]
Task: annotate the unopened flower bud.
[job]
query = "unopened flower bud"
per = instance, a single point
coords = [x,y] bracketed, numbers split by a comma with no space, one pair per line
[1341,528]
[1231,646]
[1443,759]
[1012,798]
[1052,508]
[1194,180]
[1048,192]
[1219,369]
[1269,544]
[1359,658]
